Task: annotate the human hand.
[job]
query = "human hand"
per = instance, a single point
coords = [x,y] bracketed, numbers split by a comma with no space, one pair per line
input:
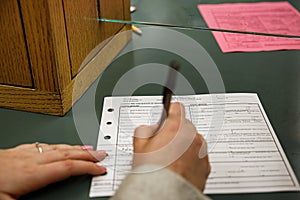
[176,146]
[23,169]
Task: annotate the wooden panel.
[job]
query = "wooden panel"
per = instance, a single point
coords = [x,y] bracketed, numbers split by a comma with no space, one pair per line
[51,38]
[94,68]
[30,100]
[55,103]
[126,10]
[39,40]
[60,43]
[127,14]
[83,30]
[111,10]
[14,63]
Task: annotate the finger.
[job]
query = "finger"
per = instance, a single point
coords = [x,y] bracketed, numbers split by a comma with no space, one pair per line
[53,147]
[26,147]
[71,154]
[61,170]
[142,135]
[177,111]
[176,117]
[175,120]
[48,147]
[145,131]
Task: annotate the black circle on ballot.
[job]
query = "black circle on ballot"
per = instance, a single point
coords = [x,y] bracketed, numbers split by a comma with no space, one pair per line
[110,110]
[107,137]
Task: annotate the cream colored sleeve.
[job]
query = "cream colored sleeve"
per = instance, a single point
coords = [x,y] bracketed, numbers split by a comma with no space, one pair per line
[159,184]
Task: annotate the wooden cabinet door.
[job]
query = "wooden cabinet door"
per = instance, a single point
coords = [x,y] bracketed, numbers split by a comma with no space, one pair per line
[14,63]
[112,10]
[84,31]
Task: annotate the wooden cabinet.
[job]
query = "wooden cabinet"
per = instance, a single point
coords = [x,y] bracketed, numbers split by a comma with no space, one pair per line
[43,44]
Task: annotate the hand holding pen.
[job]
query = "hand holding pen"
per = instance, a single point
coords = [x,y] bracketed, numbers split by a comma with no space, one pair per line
[177,146]
[174,143]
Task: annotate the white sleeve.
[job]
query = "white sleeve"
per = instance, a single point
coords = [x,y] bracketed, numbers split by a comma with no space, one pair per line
[158,184]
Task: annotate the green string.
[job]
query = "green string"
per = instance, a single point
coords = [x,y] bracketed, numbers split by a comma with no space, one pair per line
[192,27]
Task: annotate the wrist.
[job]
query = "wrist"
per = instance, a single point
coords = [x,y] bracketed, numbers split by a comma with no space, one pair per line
[193,179]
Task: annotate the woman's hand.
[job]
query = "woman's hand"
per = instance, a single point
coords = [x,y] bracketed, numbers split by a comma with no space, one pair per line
[176,146]
[24,169]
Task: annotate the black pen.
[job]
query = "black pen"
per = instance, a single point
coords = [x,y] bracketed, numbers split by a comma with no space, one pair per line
[168,92]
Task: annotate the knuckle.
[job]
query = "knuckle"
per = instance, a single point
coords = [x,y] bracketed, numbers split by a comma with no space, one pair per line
[65,154]
[68,165]
[54,147]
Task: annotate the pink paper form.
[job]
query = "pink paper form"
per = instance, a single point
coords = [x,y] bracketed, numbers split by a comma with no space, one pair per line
[267,17]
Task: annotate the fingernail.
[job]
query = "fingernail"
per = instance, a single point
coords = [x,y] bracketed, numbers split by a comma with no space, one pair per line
[99,154]
[102,152]
[102,168]
[87,147]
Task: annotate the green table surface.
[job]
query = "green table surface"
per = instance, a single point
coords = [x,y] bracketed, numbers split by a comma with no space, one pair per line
[273,75]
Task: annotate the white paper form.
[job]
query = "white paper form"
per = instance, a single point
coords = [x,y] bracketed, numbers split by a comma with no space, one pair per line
[244,152]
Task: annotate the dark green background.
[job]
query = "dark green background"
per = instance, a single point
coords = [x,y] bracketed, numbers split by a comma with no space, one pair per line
[273,75]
